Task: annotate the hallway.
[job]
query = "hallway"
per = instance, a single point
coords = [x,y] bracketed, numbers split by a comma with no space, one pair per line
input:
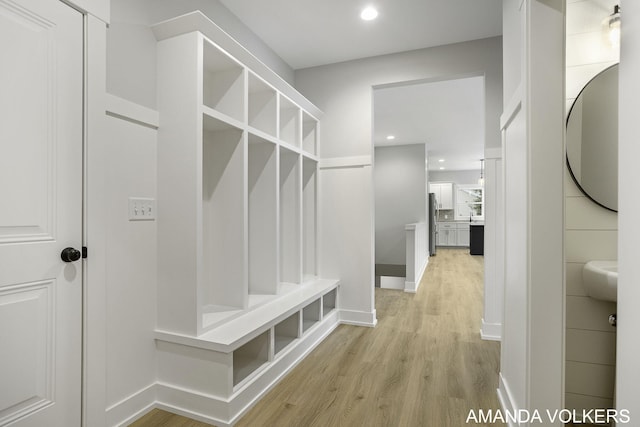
[424,364]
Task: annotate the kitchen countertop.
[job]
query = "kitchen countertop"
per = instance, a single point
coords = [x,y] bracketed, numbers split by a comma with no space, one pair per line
[461,222]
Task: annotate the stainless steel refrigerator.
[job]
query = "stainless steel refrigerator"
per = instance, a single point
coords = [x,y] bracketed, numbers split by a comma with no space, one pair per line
[433,217]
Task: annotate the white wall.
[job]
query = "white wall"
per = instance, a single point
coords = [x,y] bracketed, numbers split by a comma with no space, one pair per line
[344,92]
[590,231]
[131,261]
[531,366]
[131,46]
[494,246]
[400,198]
[628,375]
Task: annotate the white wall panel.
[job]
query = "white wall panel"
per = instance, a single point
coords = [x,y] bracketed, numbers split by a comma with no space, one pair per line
[581,215]
[574,279]
[590,379]
[587,245]
[591,347]
[589,314]
[131,253]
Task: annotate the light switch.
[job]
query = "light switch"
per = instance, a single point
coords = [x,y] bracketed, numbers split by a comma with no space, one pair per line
[142,209]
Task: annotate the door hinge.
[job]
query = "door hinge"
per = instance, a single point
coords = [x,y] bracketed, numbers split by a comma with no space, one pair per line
[84,252]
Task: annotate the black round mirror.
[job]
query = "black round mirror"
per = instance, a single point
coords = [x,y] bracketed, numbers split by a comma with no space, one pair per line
[592,139]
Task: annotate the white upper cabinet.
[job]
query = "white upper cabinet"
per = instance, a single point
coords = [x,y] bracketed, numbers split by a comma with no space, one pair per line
[444,194]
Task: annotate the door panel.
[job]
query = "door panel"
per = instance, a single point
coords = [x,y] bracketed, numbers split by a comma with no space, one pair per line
[41,82]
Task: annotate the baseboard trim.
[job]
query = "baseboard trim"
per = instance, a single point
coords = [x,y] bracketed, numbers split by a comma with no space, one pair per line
[412,287]
[507,403]
[491,331]
[392,282]
[358,318]
[133,407]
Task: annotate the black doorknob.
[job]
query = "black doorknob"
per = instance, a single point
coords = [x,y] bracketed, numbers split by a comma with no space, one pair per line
[70,254]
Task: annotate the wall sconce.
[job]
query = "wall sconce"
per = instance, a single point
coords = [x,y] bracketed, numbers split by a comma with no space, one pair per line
[611,27]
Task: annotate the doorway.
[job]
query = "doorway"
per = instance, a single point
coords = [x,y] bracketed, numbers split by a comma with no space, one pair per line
[427,134]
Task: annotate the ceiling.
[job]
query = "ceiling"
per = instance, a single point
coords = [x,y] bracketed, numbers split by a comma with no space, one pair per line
[447,115]
[308,33]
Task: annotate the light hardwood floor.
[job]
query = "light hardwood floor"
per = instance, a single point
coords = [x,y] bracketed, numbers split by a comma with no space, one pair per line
[424,364]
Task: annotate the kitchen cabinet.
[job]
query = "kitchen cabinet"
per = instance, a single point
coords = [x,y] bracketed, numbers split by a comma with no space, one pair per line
[447,234]
[444,194]
[476,246]
[462,234]
[453,234]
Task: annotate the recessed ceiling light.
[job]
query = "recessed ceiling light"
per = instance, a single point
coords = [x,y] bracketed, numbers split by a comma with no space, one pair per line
[441,168]
[441,160]
[369,13]
[390,137]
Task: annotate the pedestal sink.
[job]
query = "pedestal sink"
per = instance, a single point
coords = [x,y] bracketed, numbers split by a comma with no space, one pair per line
[600,280]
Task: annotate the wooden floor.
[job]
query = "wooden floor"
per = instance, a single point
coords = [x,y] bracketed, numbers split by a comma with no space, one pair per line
[424,364]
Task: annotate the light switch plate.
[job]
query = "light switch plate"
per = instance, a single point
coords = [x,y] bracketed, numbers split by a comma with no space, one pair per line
[142,209]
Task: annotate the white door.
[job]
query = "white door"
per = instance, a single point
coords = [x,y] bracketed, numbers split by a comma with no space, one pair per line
[41,80]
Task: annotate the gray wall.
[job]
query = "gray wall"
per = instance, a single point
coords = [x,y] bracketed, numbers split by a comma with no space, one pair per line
[344,92]
[457,177]
[400,191]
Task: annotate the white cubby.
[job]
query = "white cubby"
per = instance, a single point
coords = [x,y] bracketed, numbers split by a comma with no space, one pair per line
[223,203]
[290,251]
[237,220]
[263,106]
[309,134]
[289,122]
[309,219]
[310,315]
[286,332]
[248,358]
[329,302]
[223,82]
[263,219]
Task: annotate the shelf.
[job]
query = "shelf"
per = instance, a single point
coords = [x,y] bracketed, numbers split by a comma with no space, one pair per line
[215,121]
[309,218]
[329,302]
[258,136]
[248,358]
[262,106]
[289,122]
[286,332]
[213,315]
[309,134]
[256,299]
[235,332]
[223,259]
[263,216]
[310,315]
[238,184]
[290,250]
[223,82]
